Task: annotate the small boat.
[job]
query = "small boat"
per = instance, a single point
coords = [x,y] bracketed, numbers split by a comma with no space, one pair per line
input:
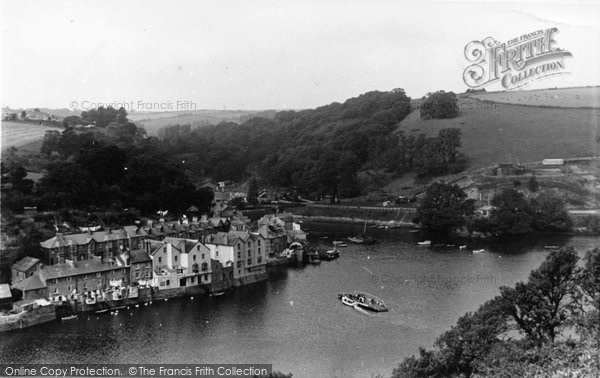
[478,250]
[337,242]
[462,246]
[342,245]
[365,300]
[414,230]
[331,254]
[425,242]
[70,317]
[347,301]
[551,247]
[119,308]
[103,311]
[217,293]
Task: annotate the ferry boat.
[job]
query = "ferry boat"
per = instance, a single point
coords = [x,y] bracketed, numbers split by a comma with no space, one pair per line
[364,300]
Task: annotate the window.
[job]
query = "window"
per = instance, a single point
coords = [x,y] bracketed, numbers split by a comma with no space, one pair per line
[259,242]
[239,246]
[239,255]
[203,256]
[55,290]
[68,279]
[137,274]
[175,257]
[204,266]
[197,248]
[69,288]
[195,257]
[248,244]
[239,264]
[159,259]
[259,260]
[99,284]
[249,261]
[259,250]
[98,275]
[217,253]
[85,276]
[168,282]
[85,285]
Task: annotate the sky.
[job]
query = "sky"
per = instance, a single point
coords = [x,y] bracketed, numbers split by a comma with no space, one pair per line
[265,54]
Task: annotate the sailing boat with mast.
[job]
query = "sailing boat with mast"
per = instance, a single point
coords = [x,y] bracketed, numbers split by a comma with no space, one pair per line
[364,238]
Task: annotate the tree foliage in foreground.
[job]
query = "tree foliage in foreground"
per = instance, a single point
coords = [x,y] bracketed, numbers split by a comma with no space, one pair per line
[557,294]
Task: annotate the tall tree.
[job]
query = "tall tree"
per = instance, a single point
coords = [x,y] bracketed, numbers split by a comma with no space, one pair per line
[512,214]
[444,208]
[539,307]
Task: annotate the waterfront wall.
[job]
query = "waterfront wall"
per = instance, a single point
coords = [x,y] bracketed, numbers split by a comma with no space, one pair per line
[28,318]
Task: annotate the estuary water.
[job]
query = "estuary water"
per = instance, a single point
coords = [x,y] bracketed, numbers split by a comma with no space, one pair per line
[295,320]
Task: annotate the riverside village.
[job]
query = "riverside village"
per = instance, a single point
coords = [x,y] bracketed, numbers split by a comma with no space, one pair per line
[103,270]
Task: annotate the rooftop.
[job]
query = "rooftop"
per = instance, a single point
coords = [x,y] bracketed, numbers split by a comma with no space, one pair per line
[25,263]
[5,291]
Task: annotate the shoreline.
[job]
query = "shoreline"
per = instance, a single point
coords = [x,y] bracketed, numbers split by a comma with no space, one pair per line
[323,218]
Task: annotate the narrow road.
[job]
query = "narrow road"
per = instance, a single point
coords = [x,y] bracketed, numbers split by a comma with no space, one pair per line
[385,208]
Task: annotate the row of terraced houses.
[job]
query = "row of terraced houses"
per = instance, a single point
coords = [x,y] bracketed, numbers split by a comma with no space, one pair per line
[163,255]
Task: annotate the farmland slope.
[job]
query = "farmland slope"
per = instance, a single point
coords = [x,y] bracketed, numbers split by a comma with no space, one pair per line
[495,132]
[16,134]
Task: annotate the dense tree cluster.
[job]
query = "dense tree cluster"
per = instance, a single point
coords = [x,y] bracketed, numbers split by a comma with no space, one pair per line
[557,295]
[319,151]
[439,105]
[514,214]
[445,208]
[116,166]
[102,117]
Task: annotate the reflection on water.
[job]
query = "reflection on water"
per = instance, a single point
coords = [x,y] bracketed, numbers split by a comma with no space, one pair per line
[295,320]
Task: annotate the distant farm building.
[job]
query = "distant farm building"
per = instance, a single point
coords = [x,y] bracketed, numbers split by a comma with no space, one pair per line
[553,162]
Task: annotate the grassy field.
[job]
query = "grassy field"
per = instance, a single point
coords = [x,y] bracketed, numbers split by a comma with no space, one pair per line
[493,132]
[152,122]
[580,97]
[22,135]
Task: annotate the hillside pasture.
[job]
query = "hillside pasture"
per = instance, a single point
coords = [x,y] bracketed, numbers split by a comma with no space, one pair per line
[15,134]
[152,122]
[579,97]
[494,132]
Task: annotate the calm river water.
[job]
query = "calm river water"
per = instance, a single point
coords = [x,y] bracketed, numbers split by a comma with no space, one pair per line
[295,320]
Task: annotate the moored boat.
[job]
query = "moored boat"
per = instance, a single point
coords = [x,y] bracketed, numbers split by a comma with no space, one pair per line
[424,242]
[70,317]
[551,247]
[103,311]
[478,250]
[331,254]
